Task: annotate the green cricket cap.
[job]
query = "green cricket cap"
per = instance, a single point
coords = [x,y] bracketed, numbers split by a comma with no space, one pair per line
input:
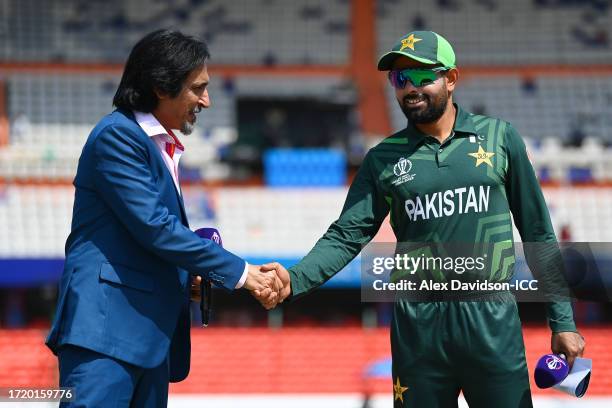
[423,46]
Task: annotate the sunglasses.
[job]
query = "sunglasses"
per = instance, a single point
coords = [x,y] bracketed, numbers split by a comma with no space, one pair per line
[417,76]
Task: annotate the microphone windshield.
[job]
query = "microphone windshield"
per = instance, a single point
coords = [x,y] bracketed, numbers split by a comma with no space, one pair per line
[210,233]
[550,370]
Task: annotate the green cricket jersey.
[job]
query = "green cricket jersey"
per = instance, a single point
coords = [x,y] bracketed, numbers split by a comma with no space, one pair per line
[462,190]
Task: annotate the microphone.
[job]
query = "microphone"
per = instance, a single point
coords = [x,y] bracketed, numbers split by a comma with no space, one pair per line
[205,286]
[550,370]
[210,233]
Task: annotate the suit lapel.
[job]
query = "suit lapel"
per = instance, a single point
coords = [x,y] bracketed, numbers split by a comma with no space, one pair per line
[159,167]
[168,180]
[181,206]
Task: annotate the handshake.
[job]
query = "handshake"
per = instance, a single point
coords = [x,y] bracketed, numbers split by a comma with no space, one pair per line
[269,284]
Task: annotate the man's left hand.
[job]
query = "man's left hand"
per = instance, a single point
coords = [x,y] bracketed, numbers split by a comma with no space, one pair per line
[569,343]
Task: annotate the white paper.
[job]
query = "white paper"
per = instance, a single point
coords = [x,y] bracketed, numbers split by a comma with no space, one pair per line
[577,381]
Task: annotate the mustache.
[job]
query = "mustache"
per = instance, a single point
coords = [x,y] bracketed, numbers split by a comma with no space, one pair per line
[196,110]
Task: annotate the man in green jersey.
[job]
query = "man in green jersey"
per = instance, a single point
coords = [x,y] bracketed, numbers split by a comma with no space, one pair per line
[449,176]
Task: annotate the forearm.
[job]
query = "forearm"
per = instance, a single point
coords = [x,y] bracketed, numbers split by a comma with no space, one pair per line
[560,317]
[541,249]
[329,256]
[364,211]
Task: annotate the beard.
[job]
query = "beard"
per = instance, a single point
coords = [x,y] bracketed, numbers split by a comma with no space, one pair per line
[433,110]
[187,128]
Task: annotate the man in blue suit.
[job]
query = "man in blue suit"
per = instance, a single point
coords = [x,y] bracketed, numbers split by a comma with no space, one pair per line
[121,330]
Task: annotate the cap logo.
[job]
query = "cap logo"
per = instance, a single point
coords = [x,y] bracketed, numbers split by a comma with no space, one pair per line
[409,42]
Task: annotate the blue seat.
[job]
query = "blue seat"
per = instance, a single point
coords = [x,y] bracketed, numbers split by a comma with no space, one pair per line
[304,168]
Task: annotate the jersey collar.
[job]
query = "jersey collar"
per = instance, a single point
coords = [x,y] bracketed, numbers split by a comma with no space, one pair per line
[463,124]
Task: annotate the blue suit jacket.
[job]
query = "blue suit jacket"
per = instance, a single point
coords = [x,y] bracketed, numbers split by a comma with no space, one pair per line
[124,291]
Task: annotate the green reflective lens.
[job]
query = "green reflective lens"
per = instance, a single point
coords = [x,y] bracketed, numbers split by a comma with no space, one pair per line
[418,77]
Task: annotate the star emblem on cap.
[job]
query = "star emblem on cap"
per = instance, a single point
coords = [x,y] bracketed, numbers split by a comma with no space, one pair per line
[398,391]
[409,42]
[482,156]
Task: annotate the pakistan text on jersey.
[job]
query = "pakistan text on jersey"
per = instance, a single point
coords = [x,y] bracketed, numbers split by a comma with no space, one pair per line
[461,200]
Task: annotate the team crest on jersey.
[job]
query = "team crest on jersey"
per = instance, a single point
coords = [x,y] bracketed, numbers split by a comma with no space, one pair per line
[402,170]
[482,156]
[480,138]
[398,391]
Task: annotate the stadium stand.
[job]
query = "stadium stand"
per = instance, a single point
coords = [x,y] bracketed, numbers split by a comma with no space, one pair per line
[499,32]
[252,224]
[307,32]
[259,32]
[297,360]
[52,108]
[50,116]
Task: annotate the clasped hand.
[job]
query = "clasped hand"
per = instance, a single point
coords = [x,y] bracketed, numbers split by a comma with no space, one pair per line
[269,284]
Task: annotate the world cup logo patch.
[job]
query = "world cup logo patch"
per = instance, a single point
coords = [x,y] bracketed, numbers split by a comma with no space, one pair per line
[401,169]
